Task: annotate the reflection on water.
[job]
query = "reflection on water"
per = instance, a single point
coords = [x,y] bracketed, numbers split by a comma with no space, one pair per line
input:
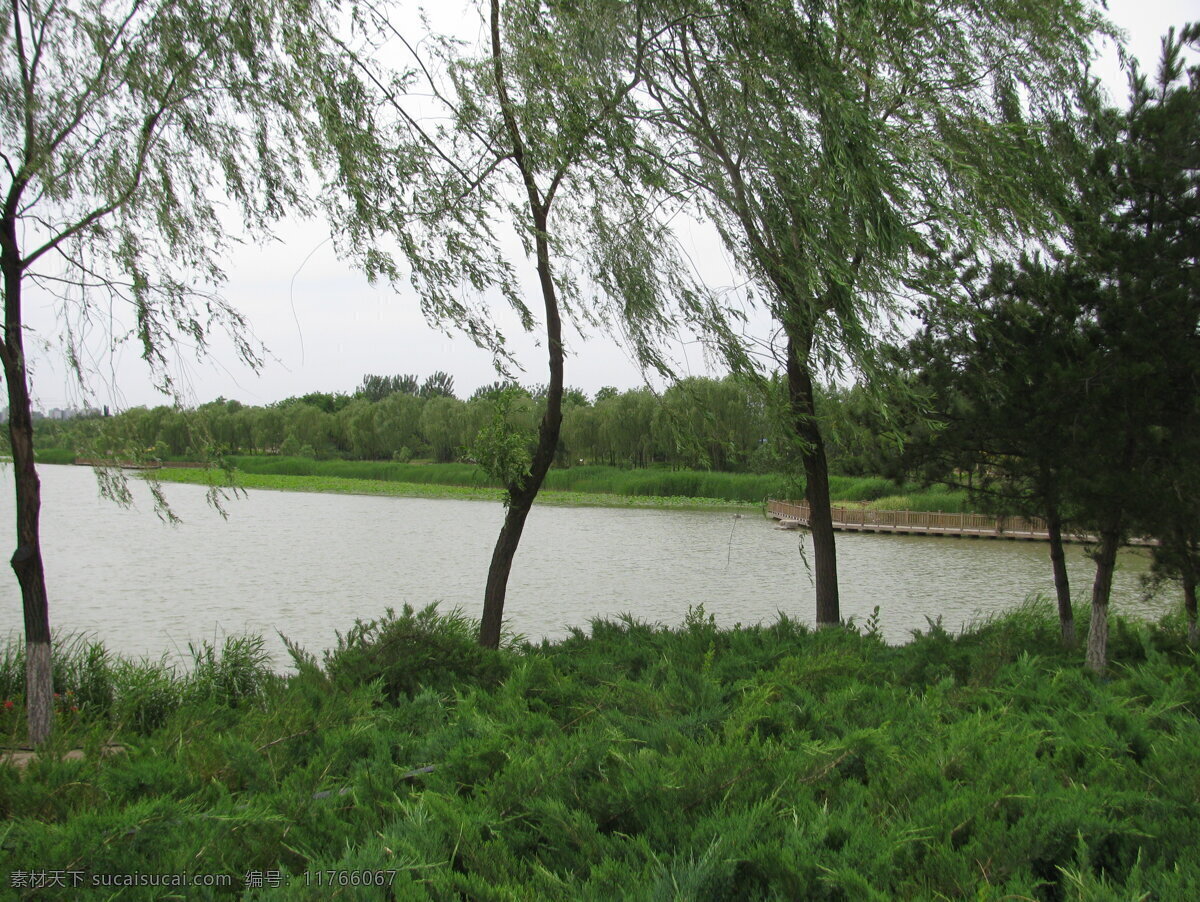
[305,565]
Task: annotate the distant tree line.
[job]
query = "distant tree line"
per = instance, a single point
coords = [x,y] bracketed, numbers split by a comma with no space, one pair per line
[697,423]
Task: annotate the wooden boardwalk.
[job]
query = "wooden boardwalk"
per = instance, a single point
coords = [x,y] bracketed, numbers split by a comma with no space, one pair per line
[795,515]
[139,465]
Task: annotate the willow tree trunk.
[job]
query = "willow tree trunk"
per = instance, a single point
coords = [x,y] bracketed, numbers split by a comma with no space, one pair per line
[1106,561]
[1062,586]
[1189,603]
[802,404]
[27,559]
[520,501]
[522,494]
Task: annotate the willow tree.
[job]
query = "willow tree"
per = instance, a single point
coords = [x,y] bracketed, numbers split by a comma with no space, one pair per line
[125,126]
[536,138]
[839,146]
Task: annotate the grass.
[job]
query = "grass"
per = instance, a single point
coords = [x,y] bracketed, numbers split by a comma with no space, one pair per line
[596,480]
[633,761]
[584,486]
[591,486]
[135,697]
[352,486]
[53,456]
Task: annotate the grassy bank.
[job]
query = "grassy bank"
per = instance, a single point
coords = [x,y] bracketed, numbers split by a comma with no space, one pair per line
[594,485]
[634,762]
[597,480]
[353,486]
[53,456]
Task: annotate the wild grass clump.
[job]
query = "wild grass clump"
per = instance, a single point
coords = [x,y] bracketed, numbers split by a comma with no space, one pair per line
[82,670]
[92,686]
[634,760]
[860,488]
[239,671]
[935,498]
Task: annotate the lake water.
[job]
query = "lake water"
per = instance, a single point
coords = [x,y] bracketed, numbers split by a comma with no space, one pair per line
[306,565]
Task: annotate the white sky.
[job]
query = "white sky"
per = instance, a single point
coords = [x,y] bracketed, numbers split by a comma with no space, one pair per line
[325,326]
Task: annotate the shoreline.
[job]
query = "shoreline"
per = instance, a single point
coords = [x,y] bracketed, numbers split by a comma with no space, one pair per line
[337,485]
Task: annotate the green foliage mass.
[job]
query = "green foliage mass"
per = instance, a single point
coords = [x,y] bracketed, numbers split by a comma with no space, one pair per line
[722,425]
[502,446]
[633,761]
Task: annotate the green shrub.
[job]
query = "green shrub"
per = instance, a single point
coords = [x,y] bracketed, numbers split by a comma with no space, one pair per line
[414,650]
[642,761]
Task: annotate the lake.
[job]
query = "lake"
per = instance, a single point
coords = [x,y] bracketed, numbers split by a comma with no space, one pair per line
[306,565]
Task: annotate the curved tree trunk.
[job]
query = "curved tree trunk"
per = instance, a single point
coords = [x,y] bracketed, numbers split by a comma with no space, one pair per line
[521,495]
[1106,560]
[802,403]
[1062,586]
[27,559]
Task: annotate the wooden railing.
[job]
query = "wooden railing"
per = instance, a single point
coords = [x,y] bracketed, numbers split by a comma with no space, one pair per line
[139,465]
[941,522]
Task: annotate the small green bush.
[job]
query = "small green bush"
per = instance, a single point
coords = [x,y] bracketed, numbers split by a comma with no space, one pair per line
[413,650]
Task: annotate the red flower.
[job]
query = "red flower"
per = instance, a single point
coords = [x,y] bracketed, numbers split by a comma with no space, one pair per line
[8,704]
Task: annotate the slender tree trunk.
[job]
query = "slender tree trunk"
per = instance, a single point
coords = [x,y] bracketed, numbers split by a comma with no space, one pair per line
[1106,561]
[496,589]
[521,496]
[1062,587]
[27,559]
[1189,604]
[520,501]
[802,403]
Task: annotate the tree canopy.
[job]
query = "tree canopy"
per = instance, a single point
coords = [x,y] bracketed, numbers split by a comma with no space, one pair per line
[127,127]
[840,146]
[1073,386]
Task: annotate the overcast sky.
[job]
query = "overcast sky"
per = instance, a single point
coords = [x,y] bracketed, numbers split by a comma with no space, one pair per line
[325,326]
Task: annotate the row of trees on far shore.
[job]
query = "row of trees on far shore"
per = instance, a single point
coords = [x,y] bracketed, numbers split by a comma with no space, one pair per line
[696,423]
